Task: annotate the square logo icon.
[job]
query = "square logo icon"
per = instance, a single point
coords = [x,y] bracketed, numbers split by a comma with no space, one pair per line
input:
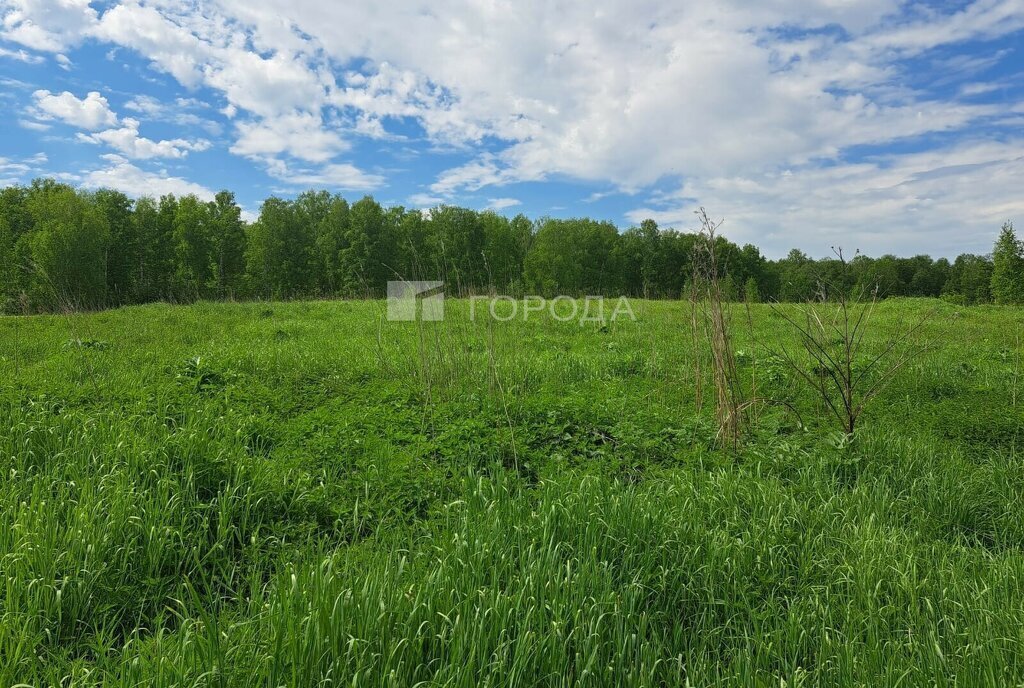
[409,301]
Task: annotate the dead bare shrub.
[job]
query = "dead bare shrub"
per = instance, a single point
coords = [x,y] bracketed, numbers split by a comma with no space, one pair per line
[835,363]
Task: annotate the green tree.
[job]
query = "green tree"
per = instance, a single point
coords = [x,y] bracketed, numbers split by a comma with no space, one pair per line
[677,262]
[522,232]
[326,218]
[67,247]
[629,256]
[9,281]
[881,274]
[14,208]
[573,257]
[330,241]
[278,256]
[751,294]
[227,239]
[457,243]
[797,277]
[145,219]
[729,292]
[363,258]
[970,279]
[747,263]
[1008,267]
[503,252]
[123,248]
[15,214]
[650,259]
[929,276]
[415,257]
[192,248]
[159,248]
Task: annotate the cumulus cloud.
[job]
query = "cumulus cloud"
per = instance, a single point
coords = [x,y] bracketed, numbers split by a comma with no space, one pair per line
[300,134]
[344,176]
[720,100]
[941,201]
[266,86]
[281,91]
[46,25]
[635,92]
[170,47]
[472,176]
[146,105]
[118,173]
[92,112]
[127,141]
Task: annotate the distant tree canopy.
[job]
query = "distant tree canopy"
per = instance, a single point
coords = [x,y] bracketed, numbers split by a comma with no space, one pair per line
[62,247]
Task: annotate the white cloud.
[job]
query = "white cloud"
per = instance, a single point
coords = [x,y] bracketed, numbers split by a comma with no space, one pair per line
[281,90]
[942,202]
[127,141]
[423,200]
[978,88]
[21,55]
[146,105]
[172,48]
[502,203]
[32,125]
[980,19]
[265,86]
[122,175]
[46,25]
[300,134]
[472,176]
[624,93]
[180,112]
[343,176]
[18,171]
[92,112]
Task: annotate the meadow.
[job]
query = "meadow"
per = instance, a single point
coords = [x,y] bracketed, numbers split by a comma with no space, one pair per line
[240,494]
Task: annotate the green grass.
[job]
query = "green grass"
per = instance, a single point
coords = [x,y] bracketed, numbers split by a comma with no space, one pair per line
[305,494]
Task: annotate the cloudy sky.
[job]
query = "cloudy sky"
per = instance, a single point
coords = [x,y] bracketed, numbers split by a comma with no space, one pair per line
[875,124]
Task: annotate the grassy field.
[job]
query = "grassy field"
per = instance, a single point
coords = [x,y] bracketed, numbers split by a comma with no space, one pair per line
[306,494]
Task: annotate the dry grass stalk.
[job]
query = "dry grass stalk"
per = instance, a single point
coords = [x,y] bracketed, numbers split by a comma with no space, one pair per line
[713,319]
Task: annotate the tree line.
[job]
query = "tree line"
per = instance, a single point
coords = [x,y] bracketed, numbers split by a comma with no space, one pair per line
[62,247]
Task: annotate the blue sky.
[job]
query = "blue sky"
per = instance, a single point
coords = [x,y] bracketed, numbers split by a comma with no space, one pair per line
[875,124]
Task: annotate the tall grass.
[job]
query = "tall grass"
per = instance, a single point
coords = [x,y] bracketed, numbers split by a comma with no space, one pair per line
[248,495]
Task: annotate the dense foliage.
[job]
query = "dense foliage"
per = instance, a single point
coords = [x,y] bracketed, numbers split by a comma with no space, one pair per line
[61,247]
